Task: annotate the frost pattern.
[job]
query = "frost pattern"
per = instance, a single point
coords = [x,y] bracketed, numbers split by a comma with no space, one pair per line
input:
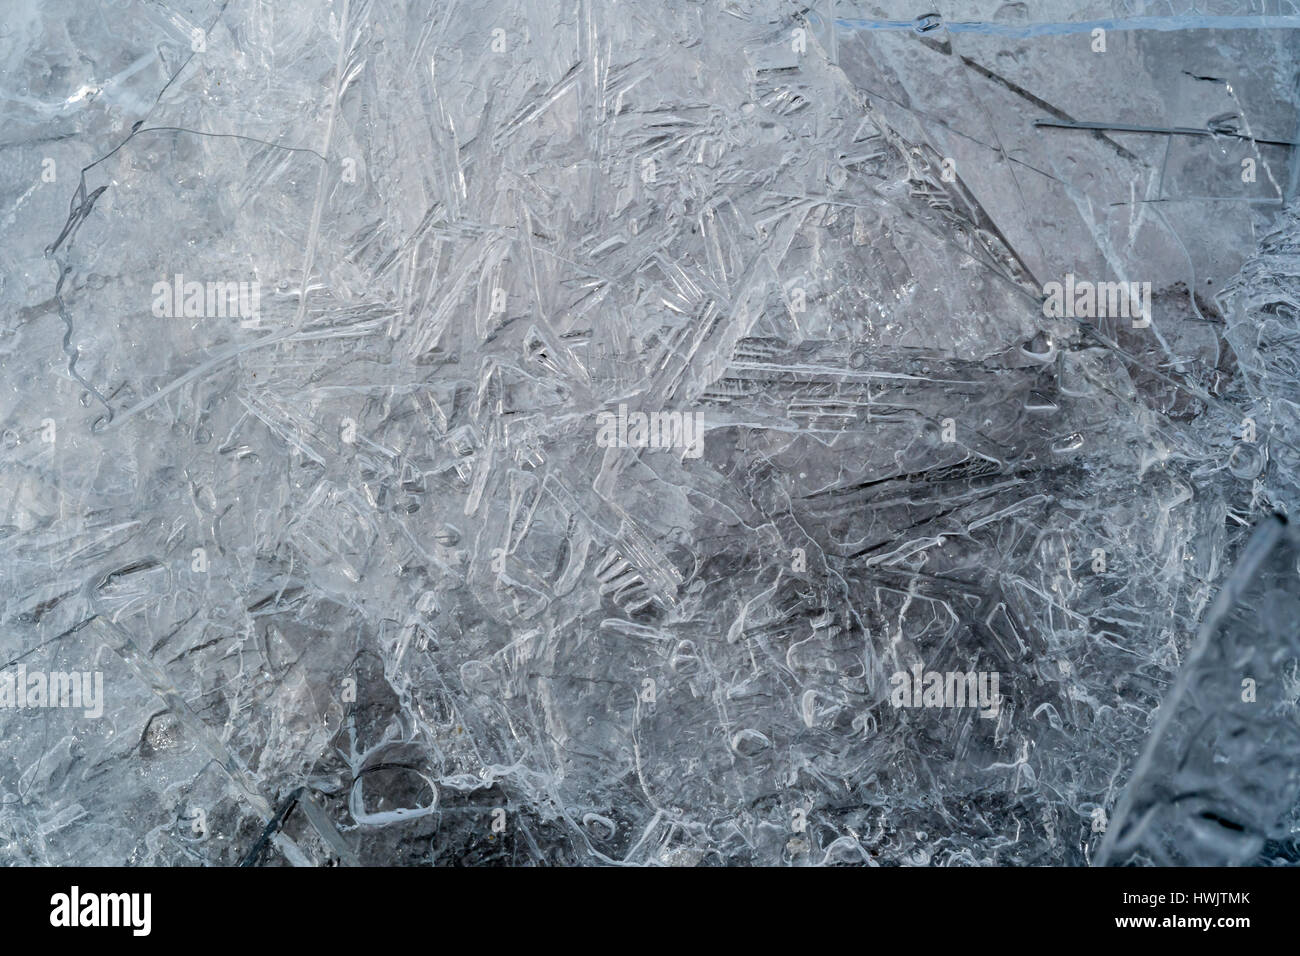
[366,588]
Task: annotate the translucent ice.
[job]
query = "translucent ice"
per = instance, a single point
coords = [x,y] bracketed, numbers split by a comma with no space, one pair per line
[632,433]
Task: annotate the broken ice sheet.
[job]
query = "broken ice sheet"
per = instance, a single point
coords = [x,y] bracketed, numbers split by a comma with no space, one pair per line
[316,313]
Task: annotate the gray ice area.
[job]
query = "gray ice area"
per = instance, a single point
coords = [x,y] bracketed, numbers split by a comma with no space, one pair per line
[326,330]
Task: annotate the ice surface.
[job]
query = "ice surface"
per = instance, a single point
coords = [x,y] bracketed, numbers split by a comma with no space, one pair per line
[365,583]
